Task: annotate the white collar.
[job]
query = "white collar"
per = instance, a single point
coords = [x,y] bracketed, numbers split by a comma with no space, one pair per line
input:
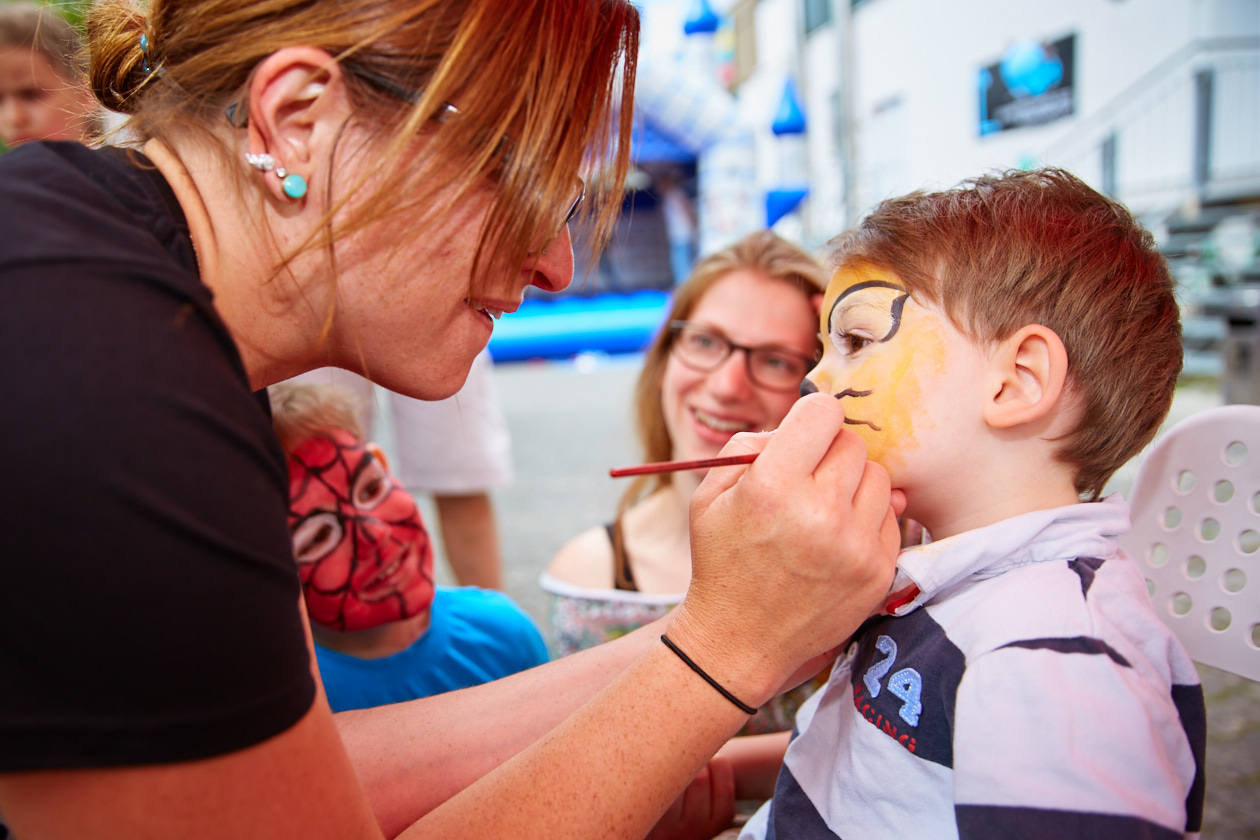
[1086,529]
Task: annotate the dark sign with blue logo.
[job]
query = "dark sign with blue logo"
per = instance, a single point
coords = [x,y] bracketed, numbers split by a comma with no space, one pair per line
[1031,85]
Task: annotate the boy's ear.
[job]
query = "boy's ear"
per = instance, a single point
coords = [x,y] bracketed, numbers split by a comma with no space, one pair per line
[1030,372]
[297,106]
[378,454]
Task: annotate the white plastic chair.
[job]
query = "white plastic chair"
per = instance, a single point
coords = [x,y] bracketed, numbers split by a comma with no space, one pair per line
[1196,532]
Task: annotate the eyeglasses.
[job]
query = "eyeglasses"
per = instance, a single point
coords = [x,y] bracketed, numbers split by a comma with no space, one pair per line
[701,348]
[238,115]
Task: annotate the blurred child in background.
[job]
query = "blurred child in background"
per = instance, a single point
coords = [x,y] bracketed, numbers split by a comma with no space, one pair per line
[42,92]
[383,631]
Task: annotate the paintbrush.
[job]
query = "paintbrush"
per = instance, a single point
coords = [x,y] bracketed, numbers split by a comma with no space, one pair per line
[893,601]
[807,387]
[678,466]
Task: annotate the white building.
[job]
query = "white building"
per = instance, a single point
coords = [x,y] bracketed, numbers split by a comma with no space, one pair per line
[1154,101]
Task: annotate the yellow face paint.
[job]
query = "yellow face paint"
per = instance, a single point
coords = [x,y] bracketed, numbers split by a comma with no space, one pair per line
[880,348]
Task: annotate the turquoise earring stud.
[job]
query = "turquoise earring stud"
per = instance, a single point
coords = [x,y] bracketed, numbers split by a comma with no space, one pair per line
[294,185]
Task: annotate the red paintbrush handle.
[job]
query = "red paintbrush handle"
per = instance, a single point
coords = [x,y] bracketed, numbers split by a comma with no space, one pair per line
[677,466]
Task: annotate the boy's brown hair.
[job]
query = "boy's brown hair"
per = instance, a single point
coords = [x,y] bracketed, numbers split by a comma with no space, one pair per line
[300,411]
[1002,251]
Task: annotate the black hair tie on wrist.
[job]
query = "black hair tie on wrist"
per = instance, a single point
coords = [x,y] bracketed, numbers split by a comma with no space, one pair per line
[743,707]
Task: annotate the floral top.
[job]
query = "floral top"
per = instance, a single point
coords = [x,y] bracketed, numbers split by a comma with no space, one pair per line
[579,618]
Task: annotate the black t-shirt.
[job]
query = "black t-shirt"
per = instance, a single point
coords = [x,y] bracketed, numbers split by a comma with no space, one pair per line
[149,600]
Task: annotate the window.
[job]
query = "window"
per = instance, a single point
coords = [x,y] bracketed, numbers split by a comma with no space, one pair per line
[817,12]
[744,15]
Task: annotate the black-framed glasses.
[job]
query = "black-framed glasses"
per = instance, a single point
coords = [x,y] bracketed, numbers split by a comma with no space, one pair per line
[238,115]
[703,348]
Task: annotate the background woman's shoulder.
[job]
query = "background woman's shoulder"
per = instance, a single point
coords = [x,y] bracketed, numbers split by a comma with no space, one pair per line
[586,560]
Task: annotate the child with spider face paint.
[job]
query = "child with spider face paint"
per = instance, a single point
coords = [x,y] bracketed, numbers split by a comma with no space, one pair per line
[363,554]
[1001,349]
[384,633]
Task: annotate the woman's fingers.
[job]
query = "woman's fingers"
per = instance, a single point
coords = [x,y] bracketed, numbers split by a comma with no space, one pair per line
[791,453]
[840,471]
[720,479]
[898,501]
[806,435]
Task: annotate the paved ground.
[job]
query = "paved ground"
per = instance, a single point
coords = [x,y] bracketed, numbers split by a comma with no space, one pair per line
[570,423]
[568,428]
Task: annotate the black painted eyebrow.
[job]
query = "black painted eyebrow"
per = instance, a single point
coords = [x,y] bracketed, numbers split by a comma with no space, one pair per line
[895,310]
[867,284]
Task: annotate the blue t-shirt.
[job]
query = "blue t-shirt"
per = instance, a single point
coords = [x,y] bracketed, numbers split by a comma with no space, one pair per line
[475,636]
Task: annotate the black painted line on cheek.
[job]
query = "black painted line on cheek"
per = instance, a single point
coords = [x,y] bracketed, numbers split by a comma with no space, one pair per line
[808,387]
[849,392]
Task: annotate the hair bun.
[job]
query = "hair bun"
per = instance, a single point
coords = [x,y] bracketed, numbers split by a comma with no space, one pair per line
[116,65]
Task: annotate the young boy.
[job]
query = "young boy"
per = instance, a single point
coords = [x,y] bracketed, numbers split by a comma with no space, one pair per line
[383,632]
[1002,348]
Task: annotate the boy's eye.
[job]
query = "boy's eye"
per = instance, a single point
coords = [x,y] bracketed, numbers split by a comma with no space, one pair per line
[849,343]
[316,536]
[867,313]
[855,342]
[371,486]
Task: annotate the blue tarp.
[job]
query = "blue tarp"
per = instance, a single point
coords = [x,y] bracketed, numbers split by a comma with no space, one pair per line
[650,145]
[563,327]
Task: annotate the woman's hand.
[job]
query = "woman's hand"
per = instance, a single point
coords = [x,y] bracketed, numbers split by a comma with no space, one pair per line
[790,554]
[702,810]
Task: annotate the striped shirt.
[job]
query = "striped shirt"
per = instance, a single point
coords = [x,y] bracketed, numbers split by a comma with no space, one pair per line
[1029,691]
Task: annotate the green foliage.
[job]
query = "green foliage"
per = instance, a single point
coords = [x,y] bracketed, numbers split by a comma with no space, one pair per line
[72,10]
